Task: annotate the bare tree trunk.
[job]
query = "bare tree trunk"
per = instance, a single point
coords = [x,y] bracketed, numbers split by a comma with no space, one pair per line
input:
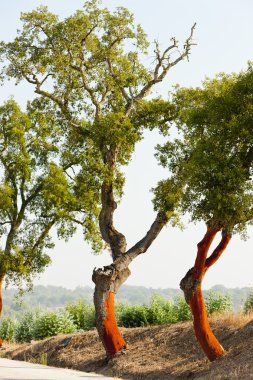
[203,331]
[191,285]
[1,302]
[108,280]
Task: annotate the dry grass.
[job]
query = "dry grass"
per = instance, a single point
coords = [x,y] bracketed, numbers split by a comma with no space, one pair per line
[233,320]
[155,353]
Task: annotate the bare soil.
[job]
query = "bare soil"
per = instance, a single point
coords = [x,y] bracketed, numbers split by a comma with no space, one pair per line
[158,352]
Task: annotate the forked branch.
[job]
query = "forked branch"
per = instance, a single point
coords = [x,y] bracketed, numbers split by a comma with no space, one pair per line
[164,63]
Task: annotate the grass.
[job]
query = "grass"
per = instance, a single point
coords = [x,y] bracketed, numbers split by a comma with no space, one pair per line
[155,352]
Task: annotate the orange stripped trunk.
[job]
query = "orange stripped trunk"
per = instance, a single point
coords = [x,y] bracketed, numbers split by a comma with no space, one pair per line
[112,337]
[1,303]
[203,332]
[195,299]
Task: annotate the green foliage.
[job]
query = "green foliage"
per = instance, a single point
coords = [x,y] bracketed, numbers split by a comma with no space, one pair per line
[88,70]
[218,303]
[82,315]
[212,156]
[26,150]
[133,316]
[52,323]
[8,327]
[36,192]
[161,311]
[248,305]
[24,331]
[181,309]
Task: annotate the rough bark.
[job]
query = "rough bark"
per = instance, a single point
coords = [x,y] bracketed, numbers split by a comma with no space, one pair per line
[202,329]
[191,285]
[108,280]
[1,302]
[114,238]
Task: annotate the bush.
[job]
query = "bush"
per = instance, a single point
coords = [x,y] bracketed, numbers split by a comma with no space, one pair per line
[52,323]
[248,304]
[218,303]
[182,310]
[25,328]
[161,311]
[7,329]
[133,316]
[82,315]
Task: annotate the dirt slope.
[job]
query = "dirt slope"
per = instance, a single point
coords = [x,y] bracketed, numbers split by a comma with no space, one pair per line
[160,352]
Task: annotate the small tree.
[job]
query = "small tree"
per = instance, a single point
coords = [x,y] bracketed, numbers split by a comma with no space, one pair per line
[89,67]
[32,188]
[212,163]
[248,304]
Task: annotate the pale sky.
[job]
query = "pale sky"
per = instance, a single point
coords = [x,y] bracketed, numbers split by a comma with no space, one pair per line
[224,37]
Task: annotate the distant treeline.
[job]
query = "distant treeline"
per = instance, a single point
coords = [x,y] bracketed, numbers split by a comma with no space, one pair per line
[52,297]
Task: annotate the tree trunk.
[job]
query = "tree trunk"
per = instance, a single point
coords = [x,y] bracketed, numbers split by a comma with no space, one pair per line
[1,302]
[203,331]
[108,280]
[191,285]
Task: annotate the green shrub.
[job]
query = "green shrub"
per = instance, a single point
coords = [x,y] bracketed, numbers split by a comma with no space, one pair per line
[119,311]
[133,316]
[248,304]
[7,329]
[161,311]
[24,331]
[218,303]
[182,310]
[52,323]
[82,315]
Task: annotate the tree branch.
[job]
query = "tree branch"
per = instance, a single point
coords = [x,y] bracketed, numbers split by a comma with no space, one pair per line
[44,234]
[122,89]
[218,250]
[143,244]
[164,64]
[110,235]
[91,92]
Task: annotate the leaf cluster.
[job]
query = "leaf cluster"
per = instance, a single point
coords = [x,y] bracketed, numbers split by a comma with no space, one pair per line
[212,157]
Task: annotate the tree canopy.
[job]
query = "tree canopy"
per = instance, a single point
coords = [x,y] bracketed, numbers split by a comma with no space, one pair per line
[212,157]
[34,190]
[89,70]
[211,163]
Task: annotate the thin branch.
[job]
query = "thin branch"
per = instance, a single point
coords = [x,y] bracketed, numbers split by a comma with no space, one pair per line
[76,221]
[218,250]
[22,190]
[141,247]
[164,64]
[6,222]
[44,234]
[35,191]
[122,89]
[44,79]
[91,92]
[83,41]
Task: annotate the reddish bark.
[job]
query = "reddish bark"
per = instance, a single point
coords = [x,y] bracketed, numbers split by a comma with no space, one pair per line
[202,329]
[1,303]
[112,337]
[191,285]
[203,247]
[218,251]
